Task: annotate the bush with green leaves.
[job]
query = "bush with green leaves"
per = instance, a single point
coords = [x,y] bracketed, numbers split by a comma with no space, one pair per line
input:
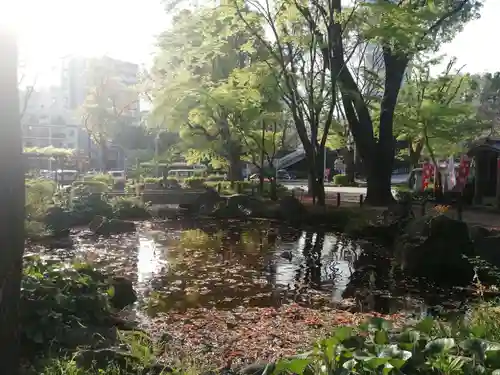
[152,180]
[86,204]
[195,182]
[216,177]
[57,298]
[103,177]
[39,197]
[341,180]
[428,347]
[129,208]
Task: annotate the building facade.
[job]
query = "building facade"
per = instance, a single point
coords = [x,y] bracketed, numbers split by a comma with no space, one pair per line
[117,78]
[45,122]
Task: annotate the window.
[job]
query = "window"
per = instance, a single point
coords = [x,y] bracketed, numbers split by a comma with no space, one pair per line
[28,144]
[71,145]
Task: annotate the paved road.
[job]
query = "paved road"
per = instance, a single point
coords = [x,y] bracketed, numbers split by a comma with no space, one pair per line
[347,194]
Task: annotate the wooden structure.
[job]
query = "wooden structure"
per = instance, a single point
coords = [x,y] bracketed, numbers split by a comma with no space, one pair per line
[485,171]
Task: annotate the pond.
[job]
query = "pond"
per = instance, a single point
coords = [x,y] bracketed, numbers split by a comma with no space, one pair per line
[184,264]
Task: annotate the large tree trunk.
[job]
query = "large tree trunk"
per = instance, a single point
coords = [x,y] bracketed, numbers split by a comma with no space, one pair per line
[12,166]
[316,186]
[235,168]
[382,156]
[349,165]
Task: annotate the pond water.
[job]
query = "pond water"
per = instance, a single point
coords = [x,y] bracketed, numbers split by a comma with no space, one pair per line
[186,264]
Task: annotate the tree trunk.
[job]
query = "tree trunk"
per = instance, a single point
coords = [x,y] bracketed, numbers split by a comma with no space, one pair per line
[235,169]
[382,156]
[12,168]
[316,186]
[349,166]
[378,189]
[104,155]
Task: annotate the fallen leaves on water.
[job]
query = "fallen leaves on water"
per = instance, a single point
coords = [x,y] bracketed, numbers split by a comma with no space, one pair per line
[243,335]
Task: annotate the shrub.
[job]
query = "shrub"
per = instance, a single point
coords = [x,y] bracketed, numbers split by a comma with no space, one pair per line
[194,182]
[86,203]
[57,298]
[152,180]
[129,208]
[39,197]
[216,177]
[92,186]
[340,180]
[102,177]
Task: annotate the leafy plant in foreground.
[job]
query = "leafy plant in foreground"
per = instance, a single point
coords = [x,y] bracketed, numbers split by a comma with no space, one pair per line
[374,348]
[57,298]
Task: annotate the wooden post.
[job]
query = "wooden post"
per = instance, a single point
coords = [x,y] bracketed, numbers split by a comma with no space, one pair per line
[422,207]
[338,199]
[360,200]
[497,195]
[12,169]
[219,187]
[460,208]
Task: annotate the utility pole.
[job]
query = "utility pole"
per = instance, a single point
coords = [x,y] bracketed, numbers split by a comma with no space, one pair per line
[12,168]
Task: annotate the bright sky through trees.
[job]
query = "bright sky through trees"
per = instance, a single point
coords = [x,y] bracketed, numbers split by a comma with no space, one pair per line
[126,29]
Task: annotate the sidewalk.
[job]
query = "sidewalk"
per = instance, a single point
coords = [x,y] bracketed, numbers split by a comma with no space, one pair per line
[485,218]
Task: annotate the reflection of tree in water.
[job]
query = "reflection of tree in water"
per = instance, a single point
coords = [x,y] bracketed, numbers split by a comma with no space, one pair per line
[309,274]
[226,268]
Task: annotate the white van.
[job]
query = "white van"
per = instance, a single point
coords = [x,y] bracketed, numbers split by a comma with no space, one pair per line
[118,176]
[183,173]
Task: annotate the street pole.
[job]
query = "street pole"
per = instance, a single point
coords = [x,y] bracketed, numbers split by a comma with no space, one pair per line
[12,169]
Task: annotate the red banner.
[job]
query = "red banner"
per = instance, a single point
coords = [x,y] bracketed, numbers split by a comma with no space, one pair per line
[427,174]
[463,171]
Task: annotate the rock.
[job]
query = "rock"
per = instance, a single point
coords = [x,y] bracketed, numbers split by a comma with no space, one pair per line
[207,202]
[58,221]
[124,293]
[290,208]
[477,232]
[105,227]
[89,336]
[287,255]
[434,247]
[257,368]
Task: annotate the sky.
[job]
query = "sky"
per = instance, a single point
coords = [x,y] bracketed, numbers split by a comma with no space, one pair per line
[126,29]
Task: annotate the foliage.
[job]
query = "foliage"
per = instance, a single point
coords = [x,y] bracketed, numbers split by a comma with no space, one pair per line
[38,201]
[206,86]
[373,348]
[437,116]
[49,151]
[152,180]
[104,111]
[39,195]
[129,208]
[102,177]
[340,180]
[95,186]
[86,203]
[489,99]
[195,182]
[299,71]
[57,298]
[216,177]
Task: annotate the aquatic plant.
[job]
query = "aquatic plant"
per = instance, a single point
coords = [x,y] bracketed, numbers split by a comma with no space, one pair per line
[429,347]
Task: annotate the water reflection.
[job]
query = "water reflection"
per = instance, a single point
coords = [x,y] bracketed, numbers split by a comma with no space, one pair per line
[181,264]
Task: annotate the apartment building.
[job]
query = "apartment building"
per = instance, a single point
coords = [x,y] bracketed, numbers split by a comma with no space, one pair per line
[117,79]
[45,122]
